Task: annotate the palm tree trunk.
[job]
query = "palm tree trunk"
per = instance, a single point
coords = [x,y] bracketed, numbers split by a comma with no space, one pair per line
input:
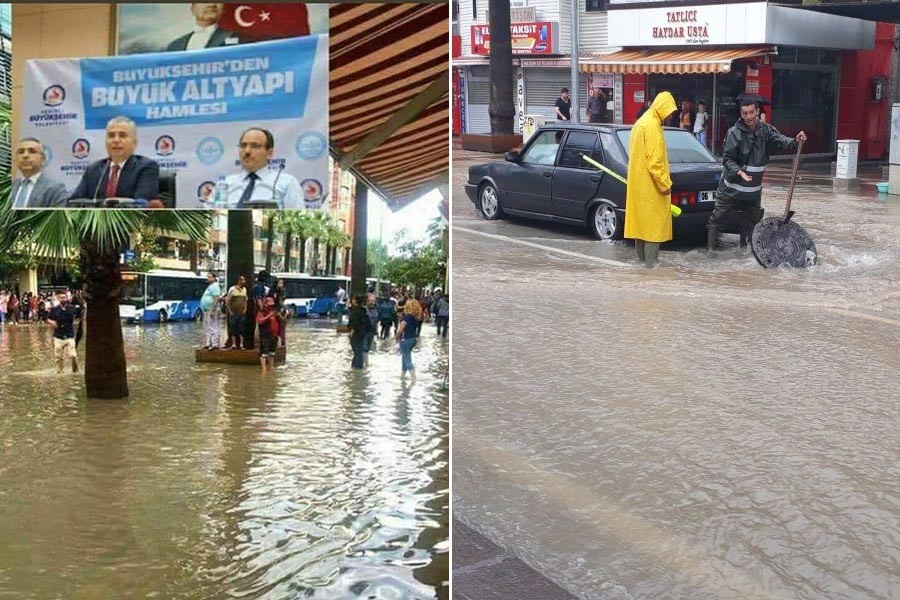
[240,261]
[346,260]
[288,240]
[194,250]
[316,255]
[105,370]
[328,269]
[334,259]
[270,235]
[501,110]
[302,254]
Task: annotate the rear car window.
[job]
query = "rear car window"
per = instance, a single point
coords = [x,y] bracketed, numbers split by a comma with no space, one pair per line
[681,145]
[578,143]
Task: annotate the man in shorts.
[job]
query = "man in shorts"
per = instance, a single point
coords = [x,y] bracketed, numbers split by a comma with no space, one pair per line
[62,322]
[236,305]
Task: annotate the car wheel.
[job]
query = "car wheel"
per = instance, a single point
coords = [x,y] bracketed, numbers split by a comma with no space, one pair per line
[198,316]
[489,202]
[162,317]
[605,222]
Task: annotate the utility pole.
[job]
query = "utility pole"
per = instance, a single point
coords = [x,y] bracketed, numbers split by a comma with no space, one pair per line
[574,93]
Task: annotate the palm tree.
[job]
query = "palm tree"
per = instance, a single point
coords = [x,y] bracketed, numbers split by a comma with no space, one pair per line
[287,224]
[318,228]
[271,217]
[98,236]
[304,227]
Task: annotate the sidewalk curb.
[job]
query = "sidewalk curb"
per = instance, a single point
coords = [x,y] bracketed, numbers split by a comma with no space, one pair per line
[484,571]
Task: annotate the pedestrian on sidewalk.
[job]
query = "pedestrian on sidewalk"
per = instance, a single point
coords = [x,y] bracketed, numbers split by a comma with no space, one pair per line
[209,304]
[267,320]
[62,322]
[442,317]
[748,144]
[648,218]
[407,336]
[372,313]
[563,106]
[596,108]
[236,311]
[359,327]
[701,121]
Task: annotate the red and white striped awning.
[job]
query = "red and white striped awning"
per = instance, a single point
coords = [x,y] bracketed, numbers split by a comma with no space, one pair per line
[669,61]
[390,100]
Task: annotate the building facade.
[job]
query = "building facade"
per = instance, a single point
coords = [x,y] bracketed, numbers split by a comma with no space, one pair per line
[824,74]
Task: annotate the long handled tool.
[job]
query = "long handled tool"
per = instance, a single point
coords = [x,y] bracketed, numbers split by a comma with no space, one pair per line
[781,241]
[676,211]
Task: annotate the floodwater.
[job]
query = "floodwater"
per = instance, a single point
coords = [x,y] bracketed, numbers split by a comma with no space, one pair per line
[215,481]
[704,430]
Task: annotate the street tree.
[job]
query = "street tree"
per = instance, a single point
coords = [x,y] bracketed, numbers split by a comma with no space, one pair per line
[501,110]
[98,238]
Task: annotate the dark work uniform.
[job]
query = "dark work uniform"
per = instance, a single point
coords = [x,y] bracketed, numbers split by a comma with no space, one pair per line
[564,107]
[738,201]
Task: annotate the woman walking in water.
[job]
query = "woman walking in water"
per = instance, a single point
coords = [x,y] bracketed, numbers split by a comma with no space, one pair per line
[407,333]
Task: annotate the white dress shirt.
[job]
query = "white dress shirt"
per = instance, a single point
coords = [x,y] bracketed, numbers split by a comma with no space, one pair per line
[200,37]
[287,191]
[23,197]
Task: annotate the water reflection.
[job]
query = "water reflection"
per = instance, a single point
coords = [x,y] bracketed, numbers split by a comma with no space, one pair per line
[218,481]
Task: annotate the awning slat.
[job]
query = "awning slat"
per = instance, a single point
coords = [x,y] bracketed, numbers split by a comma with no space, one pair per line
[669,61]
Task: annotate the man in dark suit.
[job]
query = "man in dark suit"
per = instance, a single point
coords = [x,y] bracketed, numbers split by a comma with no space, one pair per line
[123,174]
[34,189]
[206,34]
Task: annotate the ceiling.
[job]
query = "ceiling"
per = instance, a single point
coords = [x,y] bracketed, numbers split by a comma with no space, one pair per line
[389,96]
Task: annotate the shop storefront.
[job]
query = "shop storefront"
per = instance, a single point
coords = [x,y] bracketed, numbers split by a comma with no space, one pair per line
[715,53]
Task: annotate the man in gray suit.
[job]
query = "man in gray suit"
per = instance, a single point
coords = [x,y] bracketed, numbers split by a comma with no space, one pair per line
[34,189]
[206,33]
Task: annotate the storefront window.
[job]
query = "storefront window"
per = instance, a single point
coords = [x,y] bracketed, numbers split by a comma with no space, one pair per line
[805,100]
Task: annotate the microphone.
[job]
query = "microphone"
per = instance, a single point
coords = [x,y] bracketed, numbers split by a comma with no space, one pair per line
[275,184]
[99,183]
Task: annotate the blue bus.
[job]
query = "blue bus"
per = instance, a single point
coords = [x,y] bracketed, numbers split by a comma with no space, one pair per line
[160,296]
[308,295]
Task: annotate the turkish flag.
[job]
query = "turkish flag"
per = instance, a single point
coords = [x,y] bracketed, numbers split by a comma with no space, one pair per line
[260,22]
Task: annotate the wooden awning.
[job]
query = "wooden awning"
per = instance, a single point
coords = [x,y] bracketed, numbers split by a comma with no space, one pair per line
[669,61]
[390,104]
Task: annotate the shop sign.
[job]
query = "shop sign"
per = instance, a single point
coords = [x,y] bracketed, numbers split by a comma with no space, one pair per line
[538,37]
[462,103]
[603,80]
[725,24]
[639,97]
[520,97]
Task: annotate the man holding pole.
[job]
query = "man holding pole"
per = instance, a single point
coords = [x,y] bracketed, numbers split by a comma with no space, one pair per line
[748,144]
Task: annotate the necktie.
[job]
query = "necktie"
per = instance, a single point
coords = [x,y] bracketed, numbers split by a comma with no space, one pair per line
[248,191]
[22,196]
[113,182]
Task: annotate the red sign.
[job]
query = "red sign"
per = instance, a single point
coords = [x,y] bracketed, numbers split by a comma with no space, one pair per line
[541,37]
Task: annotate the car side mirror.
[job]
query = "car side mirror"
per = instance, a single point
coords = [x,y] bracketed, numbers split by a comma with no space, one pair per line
[513,157]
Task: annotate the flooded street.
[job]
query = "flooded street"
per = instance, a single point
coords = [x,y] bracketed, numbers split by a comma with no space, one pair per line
[704,430]
[216,481]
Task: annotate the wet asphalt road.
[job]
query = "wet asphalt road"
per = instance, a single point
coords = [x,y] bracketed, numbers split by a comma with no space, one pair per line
[707,429]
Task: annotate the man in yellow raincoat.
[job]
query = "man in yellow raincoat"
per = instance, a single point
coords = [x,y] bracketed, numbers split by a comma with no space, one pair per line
[648,218]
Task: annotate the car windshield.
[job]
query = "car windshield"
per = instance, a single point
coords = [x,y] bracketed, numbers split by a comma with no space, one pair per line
[681,145]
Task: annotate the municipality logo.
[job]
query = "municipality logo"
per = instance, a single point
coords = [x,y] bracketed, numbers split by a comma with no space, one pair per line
[210,150]
[54,95]
[206,192]
[312,192]
[48,156]
[81,148]
[165,145]
[311,145]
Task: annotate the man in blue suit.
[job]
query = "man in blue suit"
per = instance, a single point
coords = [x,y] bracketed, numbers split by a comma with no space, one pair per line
[123,174]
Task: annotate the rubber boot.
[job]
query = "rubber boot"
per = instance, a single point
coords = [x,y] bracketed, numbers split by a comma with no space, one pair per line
[651,253]
[639,246]
[712,239]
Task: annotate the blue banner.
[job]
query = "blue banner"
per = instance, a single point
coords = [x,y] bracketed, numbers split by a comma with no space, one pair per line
[251,83]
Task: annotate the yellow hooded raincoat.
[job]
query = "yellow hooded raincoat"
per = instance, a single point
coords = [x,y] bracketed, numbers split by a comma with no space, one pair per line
[647,213]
